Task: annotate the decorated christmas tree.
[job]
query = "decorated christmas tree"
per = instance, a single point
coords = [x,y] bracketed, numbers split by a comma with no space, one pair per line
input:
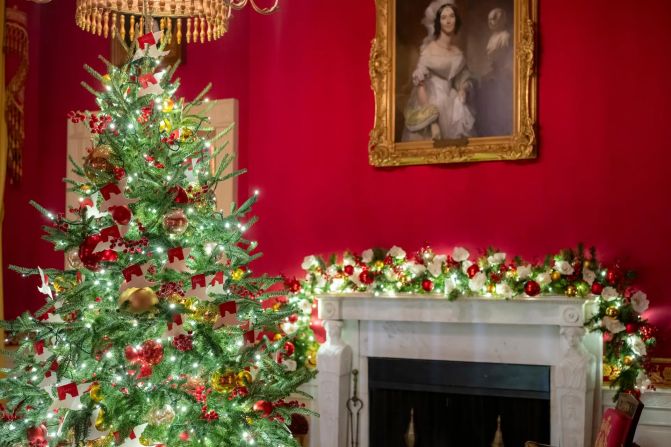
[157,333]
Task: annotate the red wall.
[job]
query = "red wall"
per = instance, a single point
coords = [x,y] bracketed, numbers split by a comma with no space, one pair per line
[307,108]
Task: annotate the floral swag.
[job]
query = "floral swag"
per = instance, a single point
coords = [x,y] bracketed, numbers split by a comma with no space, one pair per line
[619,305]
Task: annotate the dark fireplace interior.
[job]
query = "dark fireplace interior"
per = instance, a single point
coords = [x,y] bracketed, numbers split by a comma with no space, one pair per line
[457,403]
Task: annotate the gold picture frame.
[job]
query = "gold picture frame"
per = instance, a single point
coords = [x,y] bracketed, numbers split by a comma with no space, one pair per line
[385,148]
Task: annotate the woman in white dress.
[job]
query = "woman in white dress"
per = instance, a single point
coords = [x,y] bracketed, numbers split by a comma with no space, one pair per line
[438,107]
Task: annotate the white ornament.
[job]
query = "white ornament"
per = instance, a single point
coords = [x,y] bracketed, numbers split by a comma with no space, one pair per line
[477,282]
[564,267]
[613,324]
[639,301]
[460,254]
[396,252]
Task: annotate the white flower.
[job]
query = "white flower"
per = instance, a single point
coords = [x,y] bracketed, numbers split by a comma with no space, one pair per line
[460,254]
[588,275]
[336,284]
[396,252]
[608,293]
[348,259]
[637,345]
[564,267]
[321,282]
[504,290]
[496,258]
[436,266]
[643,381]
[309,262]
[367,256]
[477,282]
[639,301]
[289,364]
[440,258]
[523,271]
[332,270]
[543,279]
[305,306]
[465,265]
[416,269]
[389,274]
[289,328]
[613,324]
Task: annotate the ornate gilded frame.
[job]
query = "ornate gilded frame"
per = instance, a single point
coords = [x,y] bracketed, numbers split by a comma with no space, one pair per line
[383,150]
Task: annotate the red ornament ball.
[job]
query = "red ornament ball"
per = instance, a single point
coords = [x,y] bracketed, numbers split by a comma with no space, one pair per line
[349,270]
[366,277]
[294,285]
[180,194]
[597,288]
[132,355]
[183,342]
[121,214]
[293,318]
[264,407]
[151,352]
[427,285]
[613,276]
[37,436]
[532,288]
[289,348]
[631,328]
[184,436]
[473,270]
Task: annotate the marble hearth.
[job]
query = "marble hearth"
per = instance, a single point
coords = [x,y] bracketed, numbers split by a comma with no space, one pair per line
[527,331]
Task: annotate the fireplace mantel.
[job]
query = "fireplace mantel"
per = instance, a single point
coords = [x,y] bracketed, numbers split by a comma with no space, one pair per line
[546,330]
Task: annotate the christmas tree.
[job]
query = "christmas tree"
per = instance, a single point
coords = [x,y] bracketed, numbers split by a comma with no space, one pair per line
[157,333]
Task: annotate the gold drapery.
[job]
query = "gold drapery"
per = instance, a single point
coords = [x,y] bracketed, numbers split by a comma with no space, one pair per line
[3,155]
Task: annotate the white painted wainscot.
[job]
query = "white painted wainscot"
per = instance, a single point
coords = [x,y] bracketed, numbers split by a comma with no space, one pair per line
[529,331]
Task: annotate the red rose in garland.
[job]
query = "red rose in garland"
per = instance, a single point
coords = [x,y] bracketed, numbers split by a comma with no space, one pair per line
[472,270]
[349,270]
[366,277]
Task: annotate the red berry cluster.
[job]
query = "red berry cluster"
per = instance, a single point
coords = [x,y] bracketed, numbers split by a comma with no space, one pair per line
[172,138]
[130,246]
[99,124]
[208,415]
[170,288]
[145,113]
[183,342]
[76,116]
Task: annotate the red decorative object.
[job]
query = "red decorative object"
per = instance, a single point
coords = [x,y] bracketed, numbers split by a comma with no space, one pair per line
[366,277]
[37,436]
[180,194]
[121,214]
[631,328]
[473,270]
[264,407]
[532,288]
[132,355]
[289,348]
[427,285]
[183,342]
[597,288]
[349,270]
[151,352]
[613,275]
[92,260]
[119,172]
[184,436]
[293,285]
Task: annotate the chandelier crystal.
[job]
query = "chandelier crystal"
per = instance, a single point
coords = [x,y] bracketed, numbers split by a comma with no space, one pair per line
[192,20]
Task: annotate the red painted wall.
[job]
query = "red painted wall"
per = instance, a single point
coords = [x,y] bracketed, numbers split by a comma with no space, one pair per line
[307,108]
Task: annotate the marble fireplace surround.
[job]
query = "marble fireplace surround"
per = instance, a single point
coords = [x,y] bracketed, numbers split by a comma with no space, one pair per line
[528,331]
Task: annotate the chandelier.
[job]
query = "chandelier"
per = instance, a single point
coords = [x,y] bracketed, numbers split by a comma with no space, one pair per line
[194,20]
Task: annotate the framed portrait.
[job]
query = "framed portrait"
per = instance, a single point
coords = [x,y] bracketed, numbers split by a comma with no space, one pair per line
[454,81]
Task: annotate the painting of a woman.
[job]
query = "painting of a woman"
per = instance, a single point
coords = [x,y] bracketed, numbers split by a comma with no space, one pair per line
[439,106]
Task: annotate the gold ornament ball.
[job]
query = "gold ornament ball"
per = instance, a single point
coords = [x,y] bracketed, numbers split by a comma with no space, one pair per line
[379,265]
[556,276]
[162,416]
[491,288]
[175,221]
[96,393]
[628,360]
[244,378]
[571,290]
[138,300]
[612,312]
[237,274]
[185,133]
[587,264]
[223,382]
[98,165]
[74,261]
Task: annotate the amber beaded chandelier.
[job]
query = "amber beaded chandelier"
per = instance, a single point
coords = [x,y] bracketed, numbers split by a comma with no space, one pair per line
[192,20]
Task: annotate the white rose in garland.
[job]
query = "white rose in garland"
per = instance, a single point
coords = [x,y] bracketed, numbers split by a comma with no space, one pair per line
[416,269]
[639,301]
[436,265]
[477,282]
[309,262]
[543,279]
[637,345]
[496,258]
[523,271]
[305,306]
[588,276]
[367,256]
[504,290]
[332,270]
[396,252]
[609,293]
[449,286]
[613,324]
[465,265]
[460,254]
[564,267]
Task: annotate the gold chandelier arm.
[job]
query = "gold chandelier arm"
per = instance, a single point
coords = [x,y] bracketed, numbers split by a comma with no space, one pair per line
[239,4]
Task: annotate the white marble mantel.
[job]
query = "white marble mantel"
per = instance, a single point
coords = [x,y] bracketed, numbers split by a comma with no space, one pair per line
[533,331]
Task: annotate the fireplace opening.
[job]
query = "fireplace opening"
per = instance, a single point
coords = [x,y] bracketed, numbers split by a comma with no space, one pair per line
[457,403]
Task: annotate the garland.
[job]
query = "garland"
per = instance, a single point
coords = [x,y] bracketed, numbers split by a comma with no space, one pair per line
[627,335]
